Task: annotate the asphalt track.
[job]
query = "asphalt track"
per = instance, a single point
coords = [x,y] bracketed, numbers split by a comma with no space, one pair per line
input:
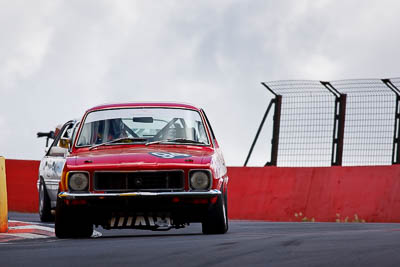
[246,244]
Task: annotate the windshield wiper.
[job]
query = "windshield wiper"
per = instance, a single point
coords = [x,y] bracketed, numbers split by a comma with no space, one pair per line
[118,140]
[176,140]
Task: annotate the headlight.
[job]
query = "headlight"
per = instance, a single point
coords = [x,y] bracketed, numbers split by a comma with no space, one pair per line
[78,181]
[200,180]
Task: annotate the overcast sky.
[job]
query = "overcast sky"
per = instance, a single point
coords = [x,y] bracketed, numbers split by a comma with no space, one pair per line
[59,58]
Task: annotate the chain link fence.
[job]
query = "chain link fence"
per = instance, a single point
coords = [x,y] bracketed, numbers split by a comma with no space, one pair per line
[369,122]
[348,122]
[305,136]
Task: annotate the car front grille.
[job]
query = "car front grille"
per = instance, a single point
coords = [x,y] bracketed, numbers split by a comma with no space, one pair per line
[139,181]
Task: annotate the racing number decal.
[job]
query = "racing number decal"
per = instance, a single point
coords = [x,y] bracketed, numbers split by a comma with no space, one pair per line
[169,155]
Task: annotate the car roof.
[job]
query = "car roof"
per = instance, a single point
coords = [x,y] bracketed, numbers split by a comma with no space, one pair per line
[144,104]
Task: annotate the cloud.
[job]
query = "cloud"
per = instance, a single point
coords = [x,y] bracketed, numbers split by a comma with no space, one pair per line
[24,41]
[59,58]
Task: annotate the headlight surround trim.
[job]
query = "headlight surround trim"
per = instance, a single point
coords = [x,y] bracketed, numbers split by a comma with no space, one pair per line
[78,181]
[193,172]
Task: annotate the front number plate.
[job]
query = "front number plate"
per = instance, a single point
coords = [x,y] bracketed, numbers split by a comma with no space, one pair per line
[140,221]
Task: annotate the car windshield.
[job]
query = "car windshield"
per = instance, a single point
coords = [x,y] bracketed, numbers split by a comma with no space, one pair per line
[142,125]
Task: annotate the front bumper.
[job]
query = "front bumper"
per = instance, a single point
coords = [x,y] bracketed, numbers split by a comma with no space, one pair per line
[181,207]
[142,195]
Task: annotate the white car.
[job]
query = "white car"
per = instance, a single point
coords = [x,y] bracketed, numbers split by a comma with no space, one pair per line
[51,167]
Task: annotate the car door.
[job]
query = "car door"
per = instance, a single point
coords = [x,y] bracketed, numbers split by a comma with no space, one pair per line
[54,161]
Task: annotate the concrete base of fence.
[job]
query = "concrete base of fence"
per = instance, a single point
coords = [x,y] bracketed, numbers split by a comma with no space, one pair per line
[22,176]
[331,194]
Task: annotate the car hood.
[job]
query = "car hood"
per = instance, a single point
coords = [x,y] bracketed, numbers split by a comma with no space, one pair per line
[151,155]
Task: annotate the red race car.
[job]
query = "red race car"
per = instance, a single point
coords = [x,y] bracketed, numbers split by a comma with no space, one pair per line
[152,166]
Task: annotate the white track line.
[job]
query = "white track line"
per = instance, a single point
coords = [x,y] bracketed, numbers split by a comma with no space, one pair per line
[37,227]
[29,235]
[15,221]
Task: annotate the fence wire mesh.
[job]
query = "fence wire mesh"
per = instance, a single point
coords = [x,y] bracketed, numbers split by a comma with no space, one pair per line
[369,122]
[311,111]
[306,123]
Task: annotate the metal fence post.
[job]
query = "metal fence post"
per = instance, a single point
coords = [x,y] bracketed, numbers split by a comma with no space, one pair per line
[396,135]
[259,131]
[338,139]
[275,133]
[338,126]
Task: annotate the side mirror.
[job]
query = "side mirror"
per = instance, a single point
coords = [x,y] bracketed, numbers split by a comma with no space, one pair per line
[57,151]
[64,143]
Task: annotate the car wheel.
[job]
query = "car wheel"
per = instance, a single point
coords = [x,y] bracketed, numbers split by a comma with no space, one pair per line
[71,222]
[44,204]
[216,221]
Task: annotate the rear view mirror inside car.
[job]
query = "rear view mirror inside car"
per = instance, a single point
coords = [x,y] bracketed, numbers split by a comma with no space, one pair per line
[143,119]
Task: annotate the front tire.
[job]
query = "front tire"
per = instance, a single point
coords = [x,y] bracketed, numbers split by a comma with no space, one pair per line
[44,204]
[216,220]
[71,222]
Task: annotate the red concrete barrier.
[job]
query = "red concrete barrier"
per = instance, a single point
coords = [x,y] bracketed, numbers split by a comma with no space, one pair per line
[21,185]
[325,194]
[273,194]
